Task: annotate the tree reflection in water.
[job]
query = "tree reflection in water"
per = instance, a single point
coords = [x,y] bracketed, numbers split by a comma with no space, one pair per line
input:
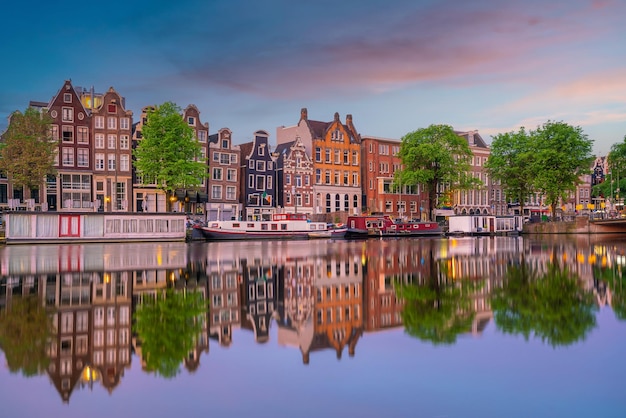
[438,310]
[552,306]
[24,332]
[167,326]
[610,282]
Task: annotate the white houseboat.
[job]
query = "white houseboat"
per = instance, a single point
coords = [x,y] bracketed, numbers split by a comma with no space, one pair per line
[485,225]
[54,227]
[282,226]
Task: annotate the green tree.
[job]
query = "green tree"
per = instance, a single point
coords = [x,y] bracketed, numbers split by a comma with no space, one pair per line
[617,168]
[168,327]
[552,307]
[168,154]
[24,331]
[438,309]
[562,155]
[27,150]
[436,157]
[510,163]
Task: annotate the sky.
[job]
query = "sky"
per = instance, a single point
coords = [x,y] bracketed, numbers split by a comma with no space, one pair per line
[394,65]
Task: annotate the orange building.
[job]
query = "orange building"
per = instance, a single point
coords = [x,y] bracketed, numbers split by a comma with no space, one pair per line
[335,149]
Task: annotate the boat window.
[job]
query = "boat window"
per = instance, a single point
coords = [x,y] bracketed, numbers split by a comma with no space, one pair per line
[236,225]
[283,227]
[264,227]
[274,227]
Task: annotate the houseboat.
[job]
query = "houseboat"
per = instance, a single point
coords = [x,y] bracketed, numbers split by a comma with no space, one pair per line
[23,227]
[282,226]
[475,225]
[378,225]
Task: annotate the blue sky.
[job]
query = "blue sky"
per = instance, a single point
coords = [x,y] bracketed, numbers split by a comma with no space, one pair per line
[394,65]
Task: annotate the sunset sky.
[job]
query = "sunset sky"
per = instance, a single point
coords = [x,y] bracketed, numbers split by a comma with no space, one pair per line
[394,65]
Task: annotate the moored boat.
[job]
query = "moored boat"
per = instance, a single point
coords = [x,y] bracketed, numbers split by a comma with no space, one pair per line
[282,226]
[378,225]
[333,233]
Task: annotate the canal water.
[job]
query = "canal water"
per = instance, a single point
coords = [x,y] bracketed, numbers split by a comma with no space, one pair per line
[442,327]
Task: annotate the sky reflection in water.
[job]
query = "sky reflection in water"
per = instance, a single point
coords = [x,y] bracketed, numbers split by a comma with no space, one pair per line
[482,373]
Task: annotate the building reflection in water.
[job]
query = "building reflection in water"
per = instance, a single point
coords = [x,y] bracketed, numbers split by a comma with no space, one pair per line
[322,295]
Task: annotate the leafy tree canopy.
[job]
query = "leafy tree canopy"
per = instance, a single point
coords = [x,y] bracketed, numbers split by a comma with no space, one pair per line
[552,307]
[168,327]
[436,156]
[24,331]
[27,150]
[168,152]
[510,164]
[562,154]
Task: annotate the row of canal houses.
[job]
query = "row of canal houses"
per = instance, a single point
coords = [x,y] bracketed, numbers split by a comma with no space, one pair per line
[326,169]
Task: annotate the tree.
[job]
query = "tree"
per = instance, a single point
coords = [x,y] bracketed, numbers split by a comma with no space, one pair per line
[438,309]
[562,155]
[510,163]
[168,154]
[436,157]
[617,167]
[168,327]
[552,306]
[27,150]
[24,331]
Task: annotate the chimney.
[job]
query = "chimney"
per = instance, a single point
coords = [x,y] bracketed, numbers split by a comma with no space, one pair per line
[348,119]
[336,116]
[303,114]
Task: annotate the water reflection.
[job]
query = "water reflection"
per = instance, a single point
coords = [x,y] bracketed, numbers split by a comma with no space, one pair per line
[82,313]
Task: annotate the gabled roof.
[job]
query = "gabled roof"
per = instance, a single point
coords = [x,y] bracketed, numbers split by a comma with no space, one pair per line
[473,138]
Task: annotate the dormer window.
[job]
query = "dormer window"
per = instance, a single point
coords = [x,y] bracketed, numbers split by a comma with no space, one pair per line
[225,143]
[191,121]
[262,150]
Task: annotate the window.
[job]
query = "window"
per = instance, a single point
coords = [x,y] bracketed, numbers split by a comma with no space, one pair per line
[231,192]
[355,158]
[233,158]
[124,142]
[82,134]
[231,174]
[318,176]
[260,182]
[217,173]
[112,123]
[83,157]
[124,163]
[287,178]
[111,108]
[68,114]
[307,180]
[99,161]
[111,141]
[216,192]
[99,122]
[346,157]
[224,159]
[225,143]
[68,133]
[327,155]
[202,135]
[68,157]
[99,141]
[111,162]
[191,121]
[54,132]
[318,154]
[124,124]
[67,98]
[337,156]
[260,165]
[298,181]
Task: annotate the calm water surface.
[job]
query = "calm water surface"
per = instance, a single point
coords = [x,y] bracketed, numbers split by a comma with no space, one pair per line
[467,327]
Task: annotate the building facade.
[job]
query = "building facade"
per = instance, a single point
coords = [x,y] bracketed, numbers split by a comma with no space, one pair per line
[223,184]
